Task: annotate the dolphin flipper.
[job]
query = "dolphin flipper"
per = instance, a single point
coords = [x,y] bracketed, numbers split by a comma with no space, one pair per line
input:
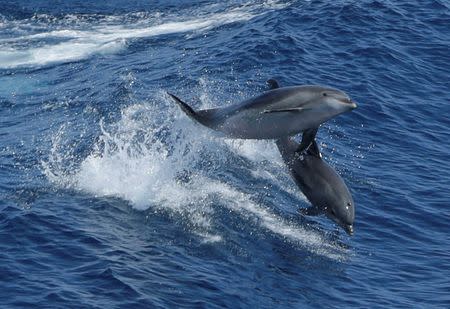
[284,110]
[308,138]
[314,150]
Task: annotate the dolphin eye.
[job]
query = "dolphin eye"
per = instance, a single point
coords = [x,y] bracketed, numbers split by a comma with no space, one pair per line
[324,94]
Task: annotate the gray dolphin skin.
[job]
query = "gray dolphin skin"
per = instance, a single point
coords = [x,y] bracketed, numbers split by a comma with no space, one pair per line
[319,182]
[308,135]
[275,113]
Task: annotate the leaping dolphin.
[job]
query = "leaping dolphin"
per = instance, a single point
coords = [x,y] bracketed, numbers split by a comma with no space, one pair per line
[275,113]
[319,182]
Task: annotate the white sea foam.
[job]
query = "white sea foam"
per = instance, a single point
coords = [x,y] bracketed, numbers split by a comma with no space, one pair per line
[78,44]
[243,204]
[155,157]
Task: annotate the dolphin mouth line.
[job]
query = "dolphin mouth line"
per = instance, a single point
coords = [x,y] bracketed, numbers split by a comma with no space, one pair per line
[349,102]
[353,105]
[348,228]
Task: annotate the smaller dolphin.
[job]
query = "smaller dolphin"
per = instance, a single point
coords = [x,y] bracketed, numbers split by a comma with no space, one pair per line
[319,182]
[276,113]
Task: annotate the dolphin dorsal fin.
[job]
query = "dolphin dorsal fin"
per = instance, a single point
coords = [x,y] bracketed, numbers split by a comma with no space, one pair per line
[313,149]
[273,84]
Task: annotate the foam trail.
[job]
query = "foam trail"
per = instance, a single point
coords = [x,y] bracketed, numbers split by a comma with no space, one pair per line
[243,204]
[77,44]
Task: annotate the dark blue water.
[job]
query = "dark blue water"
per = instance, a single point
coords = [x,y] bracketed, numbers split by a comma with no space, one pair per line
[112,197]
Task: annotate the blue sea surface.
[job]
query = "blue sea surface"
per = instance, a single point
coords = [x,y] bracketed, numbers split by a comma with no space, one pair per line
[111,197]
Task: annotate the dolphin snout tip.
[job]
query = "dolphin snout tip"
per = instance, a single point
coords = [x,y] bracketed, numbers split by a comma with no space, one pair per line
[348,103]
[349,229]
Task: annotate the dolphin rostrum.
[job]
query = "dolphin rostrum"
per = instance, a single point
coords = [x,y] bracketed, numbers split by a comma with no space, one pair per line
[275,113]
[319,182]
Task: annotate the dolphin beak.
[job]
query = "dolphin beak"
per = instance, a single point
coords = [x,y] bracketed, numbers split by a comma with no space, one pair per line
[349,229]
[348,102]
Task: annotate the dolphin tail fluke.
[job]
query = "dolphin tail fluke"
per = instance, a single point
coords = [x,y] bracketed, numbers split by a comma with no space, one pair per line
[186,108]
[206,117]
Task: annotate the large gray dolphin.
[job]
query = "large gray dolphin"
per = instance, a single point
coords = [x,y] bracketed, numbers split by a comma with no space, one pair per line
[275,113]
[319,182]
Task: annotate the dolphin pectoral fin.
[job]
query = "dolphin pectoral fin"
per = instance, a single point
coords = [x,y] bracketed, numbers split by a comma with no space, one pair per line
[307,138]
[310,211]
[273,84]
[286,110]
[313,149]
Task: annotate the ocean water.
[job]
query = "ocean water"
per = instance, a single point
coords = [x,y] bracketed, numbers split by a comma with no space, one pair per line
[110,197]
